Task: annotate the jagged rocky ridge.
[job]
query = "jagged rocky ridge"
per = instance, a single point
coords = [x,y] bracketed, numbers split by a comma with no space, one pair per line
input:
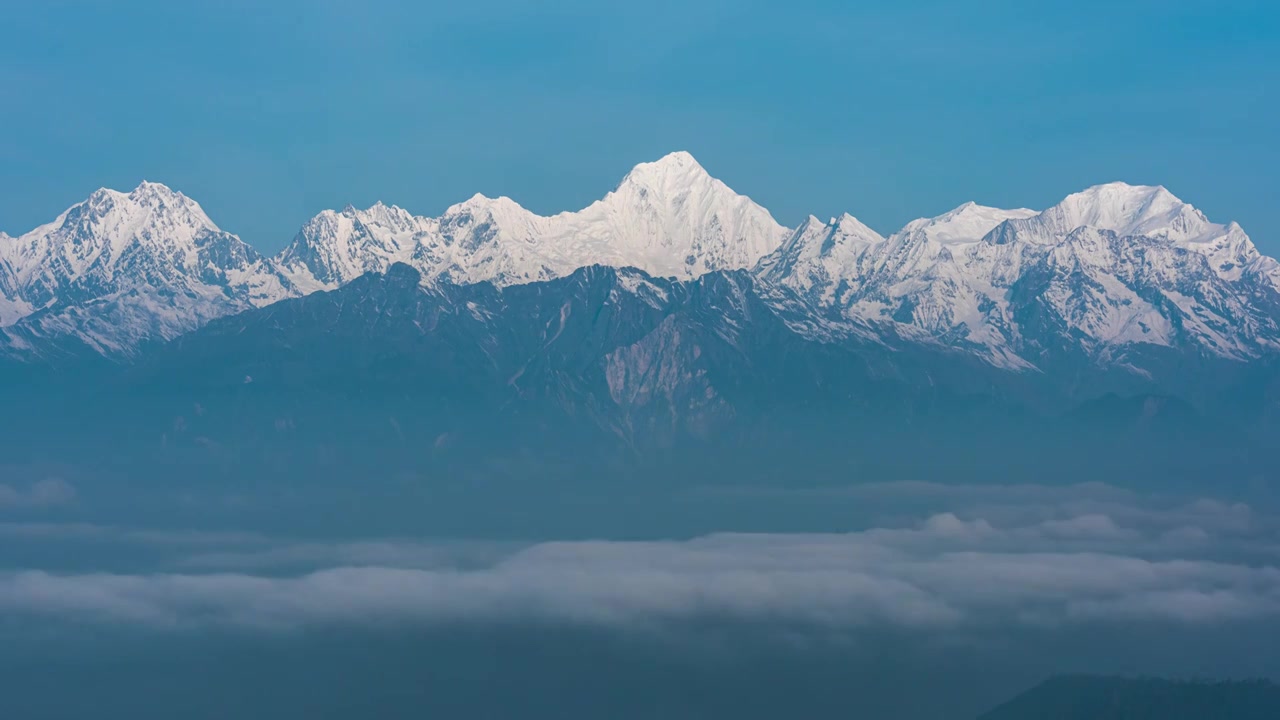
[1108,276]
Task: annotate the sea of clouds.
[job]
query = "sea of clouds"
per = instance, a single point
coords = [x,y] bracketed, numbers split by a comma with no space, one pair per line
[941,558]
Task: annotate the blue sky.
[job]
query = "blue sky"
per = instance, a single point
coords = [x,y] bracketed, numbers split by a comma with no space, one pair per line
[269,112]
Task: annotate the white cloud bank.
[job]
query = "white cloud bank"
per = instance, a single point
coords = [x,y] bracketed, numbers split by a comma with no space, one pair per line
[945,572]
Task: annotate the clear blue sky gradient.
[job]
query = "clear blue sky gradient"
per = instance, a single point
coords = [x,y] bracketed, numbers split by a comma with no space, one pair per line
[267,112]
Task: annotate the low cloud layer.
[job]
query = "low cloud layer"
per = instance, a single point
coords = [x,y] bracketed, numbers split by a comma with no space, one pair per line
[1059,561]
[49,492]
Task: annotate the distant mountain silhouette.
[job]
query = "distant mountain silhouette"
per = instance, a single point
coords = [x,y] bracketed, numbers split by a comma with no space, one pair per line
[1111,698]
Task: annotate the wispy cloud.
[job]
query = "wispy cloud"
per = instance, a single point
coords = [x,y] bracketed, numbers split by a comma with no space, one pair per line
[47,492]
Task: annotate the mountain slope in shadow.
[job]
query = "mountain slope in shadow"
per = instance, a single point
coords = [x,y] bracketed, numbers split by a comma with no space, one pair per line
[1112,698]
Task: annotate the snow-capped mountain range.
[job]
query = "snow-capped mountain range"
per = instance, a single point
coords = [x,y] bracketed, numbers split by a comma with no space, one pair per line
[1107,269]
[668,218]
[1110,270]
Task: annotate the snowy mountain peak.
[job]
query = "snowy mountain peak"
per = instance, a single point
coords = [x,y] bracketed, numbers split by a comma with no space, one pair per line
[965,224]
[146,188]
[479,200]
[1148,210]
[671,218]
[335,247]
[813,222]
[390,216]
[110,227]
[149,200]
[665,182]
[478,205]
[675,167]
[818,259]
[120,268]
[851,227]
[483,220]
